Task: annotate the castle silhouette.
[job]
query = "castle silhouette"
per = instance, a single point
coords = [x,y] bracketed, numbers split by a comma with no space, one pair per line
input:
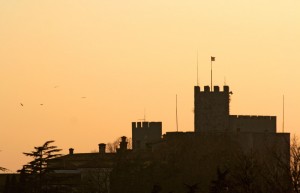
[174,158]
[235,153]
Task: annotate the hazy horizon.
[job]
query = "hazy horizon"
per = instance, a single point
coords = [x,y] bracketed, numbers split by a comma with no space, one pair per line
[97,66]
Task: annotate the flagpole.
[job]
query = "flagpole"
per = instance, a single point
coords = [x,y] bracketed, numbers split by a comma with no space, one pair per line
[197,70]
[283,114]
[211,88]
[176,115]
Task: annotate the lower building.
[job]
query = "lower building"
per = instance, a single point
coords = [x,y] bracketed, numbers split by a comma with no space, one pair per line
[181,160]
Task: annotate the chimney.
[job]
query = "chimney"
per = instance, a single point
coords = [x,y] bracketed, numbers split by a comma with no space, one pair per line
[102,148]
[71,151]
[123,144]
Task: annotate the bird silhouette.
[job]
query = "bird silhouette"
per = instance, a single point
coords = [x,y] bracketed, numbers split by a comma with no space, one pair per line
[21,104]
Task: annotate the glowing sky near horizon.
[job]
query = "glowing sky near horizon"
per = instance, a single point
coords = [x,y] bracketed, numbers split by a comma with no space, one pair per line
[97,65]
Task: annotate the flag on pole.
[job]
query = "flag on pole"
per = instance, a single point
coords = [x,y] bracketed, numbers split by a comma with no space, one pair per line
[212,58]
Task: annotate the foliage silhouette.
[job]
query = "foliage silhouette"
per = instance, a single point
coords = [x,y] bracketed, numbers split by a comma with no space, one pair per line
[192,188]
[221,184]
[112,147]
[33,175]
[2,168]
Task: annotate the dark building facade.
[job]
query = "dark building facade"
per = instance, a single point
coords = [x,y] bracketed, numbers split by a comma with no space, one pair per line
[86,172]
[211,109]
[220,142]
[145,133]
[212,114]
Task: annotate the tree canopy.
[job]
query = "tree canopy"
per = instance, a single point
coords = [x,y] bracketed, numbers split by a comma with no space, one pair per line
[33,176]
[40,155]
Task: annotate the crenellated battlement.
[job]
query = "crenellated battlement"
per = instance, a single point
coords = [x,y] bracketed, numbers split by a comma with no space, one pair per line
[216,89]
[146,125]
[253,117]
[144,133]
[211,108]
[252,123]
[212,113]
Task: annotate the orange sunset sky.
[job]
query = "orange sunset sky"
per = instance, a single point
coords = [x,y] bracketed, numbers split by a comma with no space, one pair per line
[97,65]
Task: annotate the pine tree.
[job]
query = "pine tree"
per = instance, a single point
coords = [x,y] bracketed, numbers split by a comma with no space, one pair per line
[34,173]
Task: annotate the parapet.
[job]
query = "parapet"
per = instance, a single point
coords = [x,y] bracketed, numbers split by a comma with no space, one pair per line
[252,123]
[216,89]
[253,117]
[206,89]
[226,88]
[146,125]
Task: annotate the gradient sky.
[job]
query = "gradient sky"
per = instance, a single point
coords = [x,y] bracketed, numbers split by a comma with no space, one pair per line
[131,56]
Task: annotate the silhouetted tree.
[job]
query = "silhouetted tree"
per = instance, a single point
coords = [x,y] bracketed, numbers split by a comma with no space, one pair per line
[275,167]
[33,174]
[221,184]
[245,173]
[192,188]
[2,168]
[112,147]
[295,164]
[96,180]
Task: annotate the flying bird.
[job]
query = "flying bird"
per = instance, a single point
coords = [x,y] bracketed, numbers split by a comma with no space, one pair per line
[21,104]
[83,97]
[41,104]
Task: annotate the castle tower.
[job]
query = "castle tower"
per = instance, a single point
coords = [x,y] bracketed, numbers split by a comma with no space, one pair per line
[144,133]
[211,109]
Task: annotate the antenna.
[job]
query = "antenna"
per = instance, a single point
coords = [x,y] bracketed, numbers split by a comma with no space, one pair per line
[283,114]
[212,59]
[197,70]
[176,115]
[144,119]
[224,80]
[211,74]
